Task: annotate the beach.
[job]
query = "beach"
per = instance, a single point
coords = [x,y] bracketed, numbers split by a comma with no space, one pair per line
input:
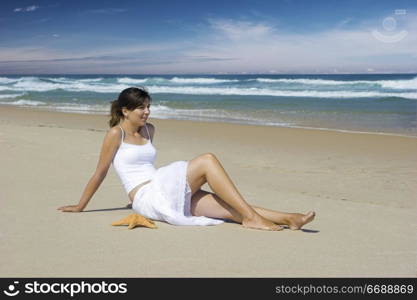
[363,187]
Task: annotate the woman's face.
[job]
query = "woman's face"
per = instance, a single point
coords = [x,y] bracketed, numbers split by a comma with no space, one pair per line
[140,114]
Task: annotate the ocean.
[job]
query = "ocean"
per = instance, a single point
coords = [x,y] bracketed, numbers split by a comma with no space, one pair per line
[378,103]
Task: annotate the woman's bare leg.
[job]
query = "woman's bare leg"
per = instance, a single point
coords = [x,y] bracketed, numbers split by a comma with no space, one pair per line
[206,168]
[293,220]
[208,204]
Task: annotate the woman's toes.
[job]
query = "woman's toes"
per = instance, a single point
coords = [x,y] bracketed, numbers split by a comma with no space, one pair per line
[300,220]
[309,217]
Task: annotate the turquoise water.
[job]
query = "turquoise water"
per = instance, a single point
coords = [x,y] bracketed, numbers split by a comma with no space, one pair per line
[385,103]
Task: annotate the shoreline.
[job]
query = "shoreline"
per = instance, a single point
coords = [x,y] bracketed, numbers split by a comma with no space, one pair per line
[222,121]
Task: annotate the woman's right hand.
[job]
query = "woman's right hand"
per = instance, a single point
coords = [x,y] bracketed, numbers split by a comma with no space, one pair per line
[70,208]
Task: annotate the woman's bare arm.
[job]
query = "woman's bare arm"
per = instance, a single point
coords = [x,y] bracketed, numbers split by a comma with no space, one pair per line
[109,148]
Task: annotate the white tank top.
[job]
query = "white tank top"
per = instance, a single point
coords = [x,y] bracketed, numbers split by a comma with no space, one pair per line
[134,163]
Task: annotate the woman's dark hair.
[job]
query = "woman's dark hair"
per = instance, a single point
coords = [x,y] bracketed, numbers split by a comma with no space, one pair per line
[130,98]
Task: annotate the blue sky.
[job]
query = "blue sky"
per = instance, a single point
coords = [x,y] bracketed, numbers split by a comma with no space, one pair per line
[207,37]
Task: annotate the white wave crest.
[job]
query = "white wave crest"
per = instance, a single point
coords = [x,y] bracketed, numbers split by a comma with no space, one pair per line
[160,108]
[90,80]
[410,84]
[5,80]
[175,80]
[60,79]
[129,80]
[35,84]
[388,84]
[201,80]
[7,96]
[280,93]
[73,80]
[24,103]
[311,81]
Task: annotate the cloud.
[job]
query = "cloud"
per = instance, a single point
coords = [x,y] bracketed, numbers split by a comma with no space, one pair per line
[32,8]
[239,30]
[26,9]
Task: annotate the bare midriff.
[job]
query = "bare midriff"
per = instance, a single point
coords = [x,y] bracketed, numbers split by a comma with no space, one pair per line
[133,192]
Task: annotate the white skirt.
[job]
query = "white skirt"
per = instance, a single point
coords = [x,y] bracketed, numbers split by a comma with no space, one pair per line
[168,197]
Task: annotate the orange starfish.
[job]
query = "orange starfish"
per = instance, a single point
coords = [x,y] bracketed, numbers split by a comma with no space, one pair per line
[134,220]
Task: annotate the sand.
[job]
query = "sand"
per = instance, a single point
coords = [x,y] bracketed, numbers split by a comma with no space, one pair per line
[362,186]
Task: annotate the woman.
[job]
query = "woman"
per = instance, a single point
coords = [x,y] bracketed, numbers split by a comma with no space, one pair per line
[172,193]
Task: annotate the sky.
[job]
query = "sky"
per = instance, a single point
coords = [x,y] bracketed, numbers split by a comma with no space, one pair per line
[208,37]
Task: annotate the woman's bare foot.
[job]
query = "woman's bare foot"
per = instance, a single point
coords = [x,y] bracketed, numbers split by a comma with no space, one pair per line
[299,220]
[259,222]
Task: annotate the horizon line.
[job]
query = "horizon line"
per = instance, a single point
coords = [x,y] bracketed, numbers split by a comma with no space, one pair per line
[241,74]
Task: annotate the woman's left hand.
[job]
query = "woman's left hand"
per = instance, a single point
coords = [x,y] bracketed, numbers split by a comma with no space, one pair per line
[70,208]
